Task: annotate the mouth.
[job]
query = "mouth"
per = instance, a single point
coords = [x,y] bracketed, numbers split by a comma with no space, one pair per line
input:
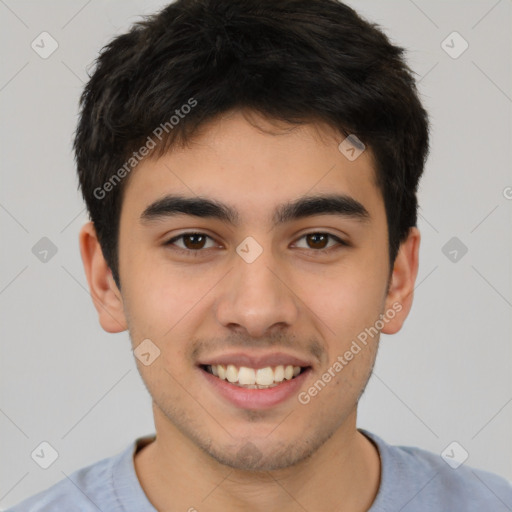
[254,378]
[256,383]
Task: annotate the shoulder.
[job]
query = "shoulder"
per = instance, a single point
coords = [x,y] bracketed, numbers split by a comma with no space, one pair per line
[87,489]
[456,488]
[414,479]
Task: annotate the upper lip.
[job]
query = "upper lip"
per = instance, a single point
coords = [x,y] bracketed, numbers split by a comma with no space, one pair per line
[255,360]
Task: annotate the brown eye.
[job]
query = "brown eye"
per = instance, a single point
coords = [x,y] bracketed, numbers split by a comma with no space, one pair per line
[195,241]
[192,242]
[318,241]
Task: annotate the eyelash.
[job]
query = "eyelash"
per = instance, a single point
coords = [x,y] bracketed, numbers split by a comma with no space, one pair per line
[196,253]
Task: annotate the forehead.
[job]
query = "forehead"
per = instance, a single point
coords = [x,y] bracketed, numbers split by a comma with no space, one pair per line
[252,166]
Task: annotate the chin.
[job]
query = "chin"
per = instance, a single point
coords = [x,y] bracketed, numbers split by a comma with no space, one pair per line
[264,455]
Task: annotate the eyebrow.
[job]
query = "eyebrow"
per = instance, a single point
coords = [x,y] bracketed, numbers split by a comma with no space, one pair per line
[307,206]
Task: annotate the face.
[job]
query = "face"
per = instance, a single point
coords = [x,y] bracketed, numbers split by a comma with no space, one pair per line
[255,285]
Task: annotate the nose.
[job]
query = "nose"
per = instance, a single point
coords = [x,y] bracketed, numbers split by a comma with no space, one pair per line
[256,297]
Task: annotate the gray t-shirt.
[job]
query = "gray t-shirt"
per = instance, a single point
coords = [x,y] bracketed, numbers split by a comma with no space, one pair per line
[412,480]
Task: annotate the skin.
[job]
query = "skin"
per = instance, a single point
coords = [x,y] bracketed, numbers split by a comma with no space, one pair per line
[290,298]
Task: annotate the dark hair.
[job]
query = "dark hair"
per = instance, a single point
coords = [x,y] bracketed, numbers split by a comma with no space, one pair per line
[292,60]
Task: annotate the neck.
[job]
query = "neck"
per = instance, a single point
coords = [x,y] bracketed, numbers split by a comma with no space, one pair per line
[343,475]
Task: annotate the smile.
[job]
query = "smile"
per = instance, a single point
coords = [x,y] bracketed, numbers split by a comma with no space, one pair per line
[254,378]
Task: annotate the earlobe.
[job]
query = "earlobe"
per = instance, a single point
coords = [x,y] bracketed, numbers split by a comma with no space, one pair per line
[401,289]
[106,296]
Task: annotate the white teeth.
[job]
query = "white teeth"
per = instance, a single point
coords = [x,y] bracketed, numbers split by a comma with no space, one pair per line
[255,378]
[247,376]
[279,373]
[264,376]
[231,373]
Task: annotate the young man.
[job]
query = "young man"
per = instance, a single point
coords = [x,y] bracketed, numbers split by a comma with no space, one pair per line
[250,169]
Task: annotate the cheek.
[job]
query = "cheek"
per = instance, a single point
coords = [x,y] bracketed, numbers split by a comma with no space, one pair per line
[347,301]
[165,306]
[161,296]
[338,387]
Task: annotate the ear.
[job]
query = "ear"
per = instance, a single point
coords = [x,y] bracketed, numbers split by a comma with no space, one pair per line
[104,292]
[401,288]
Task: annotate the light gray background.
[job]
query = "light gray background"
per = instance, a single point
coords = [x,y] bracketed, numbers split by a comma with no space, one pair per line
[445,376]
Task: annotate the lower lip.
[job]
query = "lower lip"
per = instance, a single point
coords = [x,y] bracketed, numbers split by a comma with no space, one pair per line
[245,398]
